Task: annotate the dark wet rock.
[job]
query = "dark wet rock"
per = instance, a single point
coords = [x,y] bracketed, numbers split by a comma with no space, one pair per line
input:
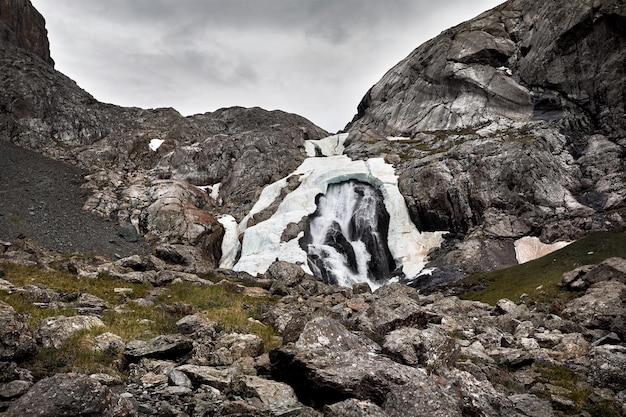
[63,395]
[164,346]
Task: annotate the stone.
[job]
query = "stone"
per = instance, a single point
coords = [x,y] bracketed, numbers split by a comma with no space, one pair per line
[63,395]
[353,407]
[276,397]
[16,340]
[241,345]
[54,331]
[88,304]
[178,378]
[207,375]
[108,342]
[13,389]
[531,406]
[431,347]
[607,366]
[164,346]
[600,305]
[198,325]
[389,313]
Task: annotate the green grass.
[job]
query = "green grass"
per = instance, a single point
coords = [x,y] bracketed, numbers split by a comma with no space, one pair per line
[540,279]
[232,311]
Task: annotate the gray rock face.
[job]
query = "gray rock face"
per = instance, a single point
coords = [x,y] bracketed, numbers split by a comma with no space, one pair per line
[502,131]
[63,395]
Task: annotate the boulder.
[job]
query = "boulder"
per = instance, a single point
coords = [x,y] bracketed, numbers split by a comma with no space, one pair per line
[430,347]
[600,305]
[241,345]
[329,364]
[391,312]
[164,346]
[276,398]
[353,407]
[54,331]
[607,367]
[64,395]
[16,339]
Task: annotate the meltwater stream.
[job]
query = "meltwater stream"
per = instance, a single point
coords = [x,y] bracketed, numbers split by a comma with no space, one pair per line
[346,239]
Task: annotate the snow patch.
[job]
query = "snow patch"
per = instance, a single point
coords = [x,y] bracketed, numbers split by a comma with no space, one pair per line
[530,248]
[155,144]
[329,146]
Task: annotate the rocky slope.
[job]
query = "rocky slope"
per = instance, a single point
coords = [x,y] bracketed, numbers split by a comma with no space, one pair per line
[508,125]
[345,351]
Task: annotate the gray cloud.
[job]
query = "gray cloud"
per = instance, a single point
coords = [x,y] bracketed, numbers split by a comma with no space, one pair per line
[312,57]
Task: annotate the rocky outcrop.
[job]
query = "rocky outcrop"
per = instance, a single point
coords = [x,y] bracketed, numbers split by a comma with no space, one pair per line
[22,25]
[505,126]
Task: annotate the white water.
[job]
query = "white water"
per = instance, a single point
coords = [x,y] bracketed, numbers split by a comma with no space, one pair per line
[262,244]
[350,210]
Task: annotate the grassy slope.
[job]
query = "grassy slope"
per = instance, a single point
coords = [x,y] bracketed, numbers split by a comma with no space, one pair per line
[540,279]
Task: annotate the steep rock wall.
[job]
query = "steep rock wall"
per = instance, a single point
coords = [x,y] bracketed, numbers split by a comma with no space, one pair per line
[23,25]
[508,125]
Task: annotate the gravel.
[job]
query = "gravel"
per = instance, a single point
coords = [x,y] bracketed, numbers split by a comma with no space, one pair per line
[41,199]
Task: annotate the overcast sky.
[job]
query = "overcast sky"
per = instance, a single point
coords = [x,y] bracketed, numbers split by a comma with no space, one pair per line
[316,58]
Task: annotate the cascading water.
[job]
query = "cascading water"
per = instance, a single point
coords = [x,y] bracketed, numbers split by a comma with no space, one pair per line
[359,227]
[346,241]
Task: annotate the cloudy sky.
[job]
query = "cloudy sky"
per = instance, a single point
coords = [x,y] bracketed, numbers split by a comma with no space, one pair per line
[316,58]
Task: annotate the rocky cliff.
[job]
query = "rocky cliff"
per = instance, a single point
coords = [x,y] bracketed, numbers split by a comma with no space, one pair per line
[508,125]
[22,25]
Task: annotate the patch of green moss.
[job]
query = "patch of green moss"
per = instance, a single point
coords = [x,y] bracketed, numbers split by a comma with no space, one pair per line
[540,279]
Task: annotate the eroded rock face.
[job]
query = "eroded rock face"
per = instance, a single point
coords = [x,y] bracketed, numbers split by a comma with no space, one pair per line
[502,127]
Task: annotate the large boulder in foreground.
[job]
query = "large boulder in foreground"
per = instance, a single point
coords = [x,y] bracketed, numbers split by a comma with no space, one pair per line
[64,395]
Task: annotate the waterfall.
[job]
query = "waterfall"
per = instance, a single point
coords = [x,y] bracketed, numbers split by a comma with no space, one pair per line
[346,240]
